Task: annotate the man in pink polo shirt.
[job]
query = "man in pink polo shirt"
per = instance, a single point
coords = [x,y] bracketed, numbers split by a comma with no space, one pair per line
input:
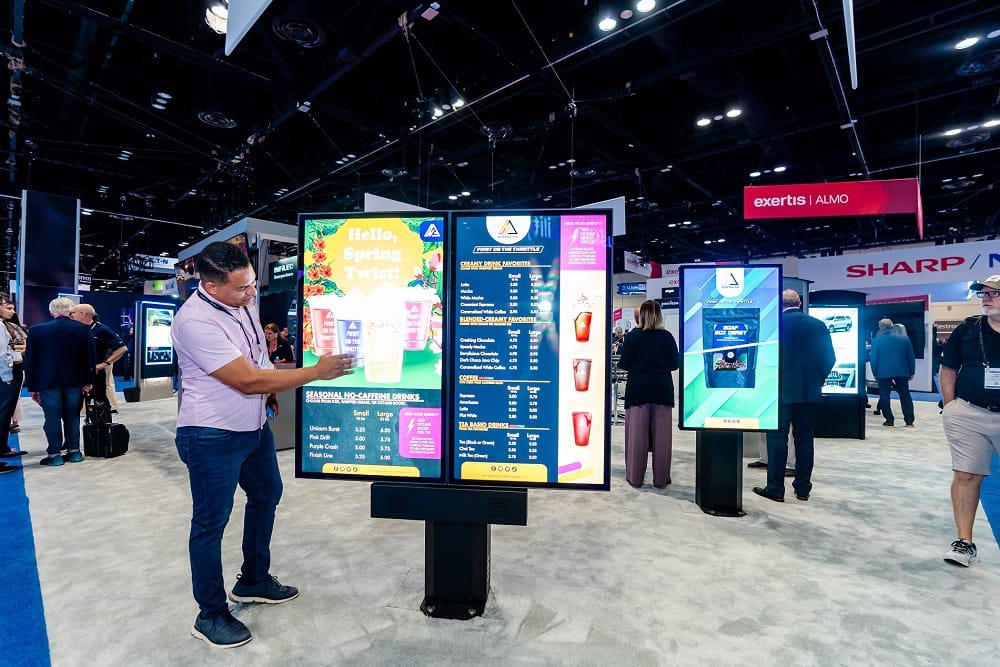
[228,385]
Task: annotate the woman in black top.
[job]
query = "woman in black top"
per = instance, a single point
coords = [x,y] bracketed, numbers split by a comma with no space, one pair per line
[278,351]
[649,354]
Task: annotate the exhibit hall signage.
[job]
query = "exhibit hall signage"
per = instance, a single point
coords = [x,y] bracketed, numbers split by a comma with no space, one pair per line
[481,344]
[729,335]
[915,265]
[631,288]
[845,198]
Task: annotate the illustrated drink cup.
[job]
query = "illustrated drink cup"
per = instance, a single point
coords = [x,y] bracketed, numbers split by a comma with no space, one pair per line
[582,326]
[384,333]
[581,428]
[581,374]
[349,338]
[418,301]
[322,309]
[351,326]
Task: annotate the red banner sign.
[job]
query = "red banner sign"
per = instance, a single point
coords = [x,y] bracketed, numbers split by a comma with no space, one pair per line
[848,198]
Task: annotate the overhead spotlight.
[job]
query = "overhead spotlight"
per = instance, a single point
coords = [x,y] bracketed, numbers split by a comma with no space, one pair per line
[780,168]
[704,122]
[754,174]
[952,132]
[645,6]
[734,112]
[217,15]
[607,24]
[966,43]
[993,34]
[993,122]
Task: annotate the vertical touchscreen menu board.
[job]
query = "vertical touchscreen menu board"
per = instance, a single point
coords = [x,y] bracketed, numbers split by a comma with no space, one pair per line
[530,349]
[372,286]
[729,344]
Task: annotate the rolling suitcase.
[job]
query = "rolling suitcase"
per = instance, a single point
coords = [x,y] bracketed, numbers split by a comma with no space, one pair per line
[101,437]
[105,440]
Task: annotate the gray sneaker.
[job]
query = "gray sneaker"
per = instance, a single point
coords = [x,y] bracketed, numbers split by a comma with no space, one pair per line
[269,591]
[221,631]
[962,553]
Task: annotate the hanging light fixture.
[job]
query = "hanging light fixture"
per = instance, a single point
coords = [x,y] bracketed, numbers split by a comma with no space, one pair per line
[217,15]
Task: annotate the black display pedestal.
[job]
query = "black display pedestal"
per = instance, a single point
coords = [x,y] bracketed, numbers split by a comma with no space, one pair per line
[841,417]
[456,538]
[718,486]
[456,569]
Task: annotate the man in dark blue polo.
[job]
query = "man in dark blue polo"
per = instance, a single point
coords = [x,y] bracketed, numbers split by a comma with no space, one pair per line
[108,347]
[58,369]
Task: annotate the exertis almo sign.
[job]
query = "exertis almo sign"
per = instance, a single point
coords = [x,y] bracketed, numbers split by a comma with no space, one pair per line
[729,344]
[481,347]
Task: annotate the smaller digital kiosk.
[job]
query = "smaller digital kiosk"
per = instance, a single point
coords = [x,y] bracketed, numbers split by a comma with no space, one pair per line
[729,371]
[154,351]
[842,413]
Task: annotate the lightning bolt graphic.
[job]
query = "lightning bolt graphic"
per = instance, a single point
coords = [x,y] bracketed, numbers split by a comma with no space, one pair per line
[409,427]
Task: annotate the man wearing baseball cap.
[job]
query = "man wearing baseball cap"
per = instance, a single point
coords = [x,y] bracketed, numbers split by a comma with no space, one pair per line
[970,391]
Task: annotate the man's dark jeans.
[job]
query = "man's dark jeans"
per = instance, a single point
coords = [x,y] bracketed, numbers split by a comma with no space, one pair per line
[61,408]
[902,387]
[218,460]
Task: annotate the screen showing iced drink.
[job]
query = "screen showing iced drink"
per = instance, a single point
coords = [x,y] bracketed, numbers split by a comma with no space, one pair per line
[530,349]
[372,286]
[729,343]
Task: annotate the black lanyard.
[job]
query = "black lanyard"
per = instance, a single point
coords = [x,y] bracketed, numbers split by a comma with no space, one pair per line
[242,328]
[982,347]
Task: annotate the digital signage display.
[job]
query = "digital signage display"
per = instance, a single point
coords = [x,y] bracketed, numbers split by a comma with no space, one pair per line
[155,345]
[843,323]
[729,334]
[372,286]
[529,346]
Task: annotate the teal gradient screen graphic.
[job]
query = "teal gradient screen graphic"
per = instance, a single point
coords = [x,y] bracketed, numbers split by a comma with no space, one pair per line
[730,323]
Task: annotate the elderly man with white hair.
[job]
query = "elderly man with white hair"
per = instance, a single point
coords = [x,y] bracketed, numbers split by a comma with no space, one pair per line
[58,369]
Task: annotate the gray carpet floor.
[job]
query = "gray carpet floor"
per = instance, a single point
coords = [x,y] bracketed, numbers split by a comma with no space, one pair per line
[630,577]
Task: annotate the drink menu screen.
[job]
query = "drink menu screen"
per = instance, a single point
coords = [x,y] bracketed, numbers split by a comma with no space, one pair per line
[529,349]
[372,286]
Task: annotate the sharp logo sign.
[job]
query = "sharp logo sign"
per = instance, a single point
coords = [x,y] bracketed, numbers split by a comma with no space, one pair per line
[928,265]
[912,266]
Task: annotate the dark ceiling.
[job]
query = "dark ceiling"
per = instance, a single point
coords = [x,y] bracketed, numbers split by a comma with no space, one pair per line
[324,101]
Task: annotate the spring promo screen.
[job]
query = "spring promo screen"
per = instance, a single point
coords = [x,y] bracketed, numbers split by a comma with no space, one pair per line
[529,348]
[729,345]
[373,286]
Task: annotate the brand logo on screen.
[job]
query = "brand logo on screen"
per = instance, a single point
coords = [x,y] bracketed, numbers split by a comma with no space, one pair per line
[508,229]
[729,282]
[430,231]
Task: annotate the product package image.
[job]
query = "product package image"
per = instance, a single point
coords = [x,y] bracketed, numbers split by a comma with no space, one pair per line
[732,359]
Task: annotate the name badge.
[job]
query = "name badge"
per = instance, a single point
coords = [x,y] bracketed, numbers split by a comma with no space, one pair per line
[992,378]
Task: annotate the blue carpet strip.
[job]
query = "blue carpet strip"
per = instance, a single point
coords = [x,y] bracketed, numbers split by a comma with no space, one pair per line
[990,497]
[23,637]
